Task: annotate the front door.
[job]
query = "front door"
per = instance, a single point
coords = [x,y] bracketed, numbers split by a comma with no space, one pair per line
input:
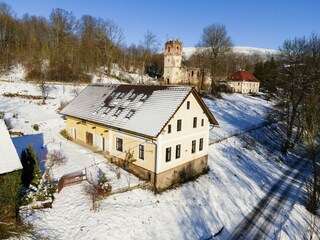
[89,138]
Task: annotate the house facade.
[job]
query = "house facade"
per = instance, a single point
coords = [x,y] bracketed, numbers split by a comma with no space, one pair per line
[243,81]
[165,129]
[175,72]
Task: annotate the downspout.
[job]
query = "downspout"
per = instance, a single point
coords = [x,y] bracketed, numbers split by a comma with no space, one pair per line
[155,166]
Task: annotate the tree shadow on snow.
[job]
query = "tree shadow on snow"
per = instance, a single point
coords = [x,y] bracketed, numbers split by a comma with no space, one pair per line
[37,142]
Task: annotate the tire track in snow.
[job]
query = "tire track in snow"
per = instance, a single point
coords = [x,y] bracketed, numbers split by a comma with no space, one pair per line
[250,227]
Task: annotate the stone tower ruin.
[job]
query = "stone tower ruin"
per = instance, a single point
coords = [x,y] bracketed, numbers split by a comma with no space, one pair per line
[172,62]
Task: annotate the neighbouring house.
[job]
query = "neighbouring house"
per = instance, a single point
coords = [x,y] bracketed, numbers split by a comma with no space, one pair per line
[165,129]
[176,72]
[9,158]
[10,177]
[243,81]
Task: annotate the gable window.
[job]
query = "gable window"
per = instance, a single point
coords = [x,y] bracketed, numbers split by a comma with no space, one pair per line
[119,144]
[202,122]
[169,128]
[194,122]
[178,151]
[188,104]
[193,147]
[179,123]
[141,151]
[168,154]
[201,144]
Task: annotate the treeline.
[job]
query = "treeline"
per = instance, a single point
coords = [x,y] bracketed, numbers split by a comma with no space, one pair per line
[64,48]
[293,79]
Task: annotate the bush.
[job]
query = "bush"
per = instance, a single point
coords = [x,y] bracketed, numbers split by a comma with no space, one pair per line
[35,127]
[65,134]
[9,196]
[63,103]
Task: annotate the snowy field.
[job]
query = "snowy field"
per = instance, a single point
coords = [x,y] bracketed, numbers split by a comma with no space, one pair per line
[242,169]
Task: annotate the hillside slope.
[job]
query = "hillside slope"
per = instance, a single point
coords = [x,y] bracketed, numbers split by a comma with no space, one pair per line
[242,169]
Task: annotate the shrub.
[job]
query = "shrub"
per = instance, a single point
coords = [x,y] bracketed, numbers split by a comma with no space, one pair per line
[35,127]
[9,195]
[63,103]
[65,134]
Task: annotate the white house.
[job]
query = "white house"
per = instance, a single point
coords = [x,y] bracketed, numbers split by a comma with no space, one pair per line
[243,81]
[9,158]
[166,128]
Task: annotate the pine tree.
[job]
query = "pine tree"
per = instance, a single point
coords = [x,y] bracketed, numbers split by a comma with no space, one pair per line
[36,173]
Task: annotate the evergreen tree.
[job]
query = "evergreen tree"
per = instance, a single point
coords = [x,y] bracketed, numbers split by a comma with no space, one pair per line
[31,173]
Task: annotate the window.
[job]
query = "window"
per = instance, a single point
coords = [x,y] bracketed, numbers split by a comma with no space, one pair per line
[130,114]
[117,113]
[109,109]
[132,96]
[179,125]
[144,98]
[168,49]
[168,154]
[119,144]
[194,122]
[169,128]
[141,151]
[201,144]
[178,151]
[188,104]
[202,122]
[121,95]
[193,147]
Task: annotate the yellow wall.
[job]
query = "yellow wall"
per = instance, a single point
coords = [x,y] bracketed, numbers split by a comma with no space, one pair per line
[129,142]
[164,140]
[183,137]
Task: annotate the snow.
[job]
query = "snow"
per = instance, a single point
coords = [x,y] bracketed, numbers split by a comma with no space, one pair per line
[159,105]
[262,52]
[242,169]
[9,159]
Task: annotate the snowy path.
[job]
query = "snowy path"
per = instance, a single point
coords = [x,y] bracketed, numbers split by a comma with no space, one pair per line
[269,214]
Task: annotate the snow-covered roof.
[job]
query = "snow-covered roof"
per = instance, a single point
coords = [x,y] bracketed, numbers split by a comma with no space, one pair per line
[242,75]
[136,108]
[9,159]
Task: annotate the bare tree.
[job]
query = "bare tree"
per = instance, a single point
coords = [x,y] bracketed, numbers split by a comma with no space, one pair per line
[109,36]
[217,42]
[149,46]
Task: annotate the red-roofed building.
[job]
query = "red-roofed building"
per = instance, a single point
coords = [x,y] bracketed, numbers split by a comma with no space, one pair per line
[243,82]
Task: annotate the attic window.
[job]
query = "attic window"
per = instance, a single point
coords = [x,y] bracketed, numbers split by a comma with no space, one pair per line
[121,95]
[109,109]
[132,96]
[130,114]
[144,98]
[117,113]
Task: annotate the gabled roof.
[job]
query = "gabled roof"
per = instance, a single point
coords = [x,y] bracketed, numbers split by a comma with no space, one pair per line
[242,75]
[140,109]
[9,159]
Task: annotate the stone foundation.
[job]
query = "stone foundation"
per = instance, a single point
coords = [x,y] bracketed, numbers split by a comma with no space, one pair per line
[181,174]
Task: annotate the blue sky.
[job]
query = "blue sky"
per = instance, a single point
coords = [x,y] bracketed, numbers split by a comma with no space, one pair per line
[254,23]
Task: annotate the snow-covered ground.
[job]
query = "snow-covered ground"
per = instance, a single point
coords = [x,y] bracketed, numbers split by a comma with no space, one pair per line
[242,169]
[262,52]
